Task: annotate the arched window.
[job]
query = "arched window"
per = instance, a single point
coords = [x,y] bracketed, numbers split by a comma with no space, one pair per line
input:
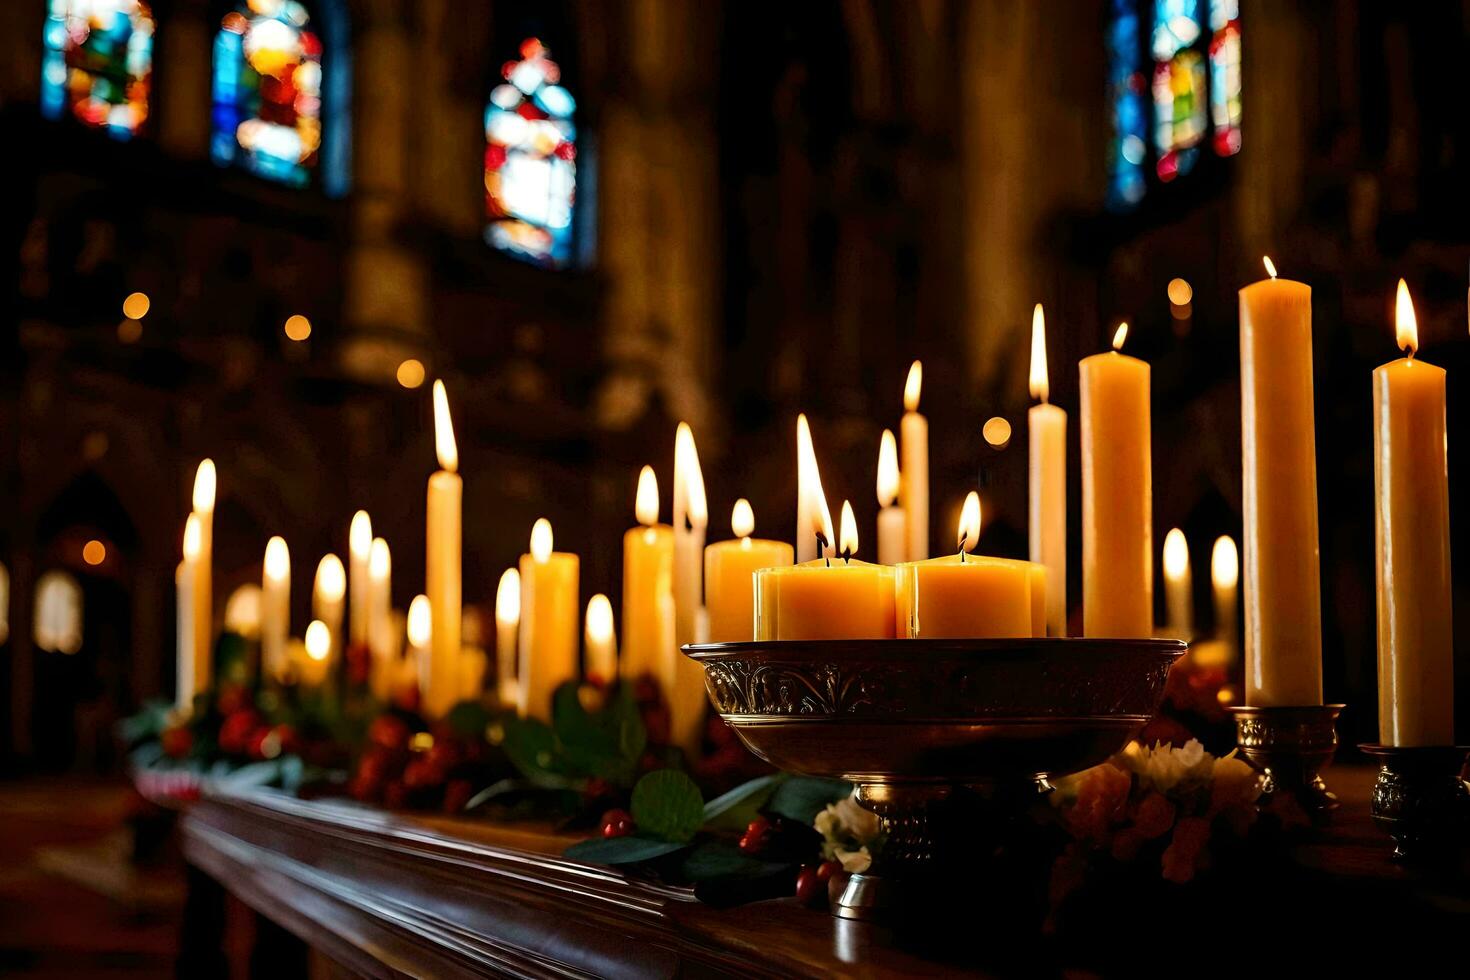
[531,160]
[58,627]
[275,97]
[98,63]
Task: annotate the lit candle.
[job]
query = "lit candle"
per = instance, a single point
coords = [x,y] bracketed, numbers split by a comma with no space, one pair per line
[186,664]
[729,576]
[548,621]
[359,584]
[1178,585]
[683,678]
[275,611]
[1225,580]
[1117,495]
[311,671]
[1283,602]
[1047,425]
[507,626]
[892,526]
[914,429]
[601,641]
[327,597]
[419,631]
[442,569]
[1416,703]
[380,618]
[202,584]
[648,586]
[963,596]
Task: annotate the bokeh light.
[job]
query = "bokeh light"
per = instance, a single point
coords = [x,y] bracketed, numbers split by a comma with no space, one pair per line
[997,432]
[94,552]
[136,306]
[1180,292]
[298,327]
[411,373]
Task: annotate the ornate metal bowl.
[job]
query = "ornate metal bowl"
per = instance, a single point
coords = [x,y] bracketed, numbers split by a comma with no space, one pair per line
[909,720]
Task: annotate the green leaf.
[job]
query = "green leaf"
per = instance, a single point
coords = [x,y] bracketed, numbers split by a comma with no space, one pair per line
[531,747]
[252,774]
[721,859]
[801,798]
[667,804]
[737,808]
[468,719]
[620,850]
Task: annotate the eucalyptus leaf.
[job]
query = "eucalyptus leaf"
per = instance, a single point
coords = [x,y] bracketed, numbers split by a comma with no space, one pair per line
[737,808]
[801,798]
[721,859]
[531,746]
[667,805]
[468,719]
[621,850]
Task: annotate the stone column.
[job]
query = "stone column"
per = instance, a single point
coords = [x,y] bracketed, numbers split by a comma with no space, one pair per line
[182,80]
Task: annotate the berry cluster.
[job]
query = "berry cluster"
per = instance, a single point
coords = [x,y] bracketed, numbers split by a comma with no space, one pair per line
[402,768]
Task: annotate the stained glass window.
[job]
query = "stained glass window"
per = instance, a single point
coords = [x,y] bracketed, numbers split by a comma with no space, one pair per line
[268,91]
[1225,75]
[1179,87]
[531,160]
[1127,95]
[98,63]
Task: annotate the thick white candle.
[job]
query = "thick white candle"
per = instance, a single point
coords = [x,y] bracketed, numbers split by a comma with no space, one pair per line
[328,596]
[202,584]
[442,684]
[683,679]
[1047,427]
[892,525]
[914,429]
[359,584]
[601,643]
[275,611]
[380,618]
[507,628]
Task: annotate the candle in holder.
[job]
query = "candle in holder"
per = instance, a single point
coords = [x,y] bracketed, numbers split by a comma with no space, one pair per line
[648,586]
[1283,602]
[507,626]
[328,594]
[444,539]
[1047,425]
[729,575]
[1416,704]
[380,618]
[892,524]
[915,431]
[419,630]
[1178,586]
[275,611]
[548,621]
[600,641]
[684,684]
[359,584]
[1225,581]
[202,577]
[311,669]
[1117,495]
[186,663]
[965,596]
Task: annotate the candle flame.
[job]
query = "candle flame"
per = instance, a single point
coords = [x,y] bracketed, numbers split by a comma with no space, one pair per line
[849,541]
[1176,555]
[541,540]
[911,387]
[204,487]
[969,529]
[1270,266]
[420,622]
[1225,563]
[646,503]
[810,478]
[508,598]
[193,538]
[444,444]
[1120,335]
[318,640]
[360,535]
[1040,389]
[742,519]
[688,477]
[331,579]
[380,561]
[277,559]
[888,475]
[599,620]
[1406,323]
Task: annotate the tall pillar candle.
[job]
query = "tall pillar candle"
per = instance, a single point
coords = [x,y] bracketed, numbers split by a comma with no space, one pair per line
[1416,703]
[275,611]
[328,596]
[600,641]
[202,583]
[184,664]
[380,618]
[729,576]
[1047,427]
[648,586]
[684,685]
[507,628]
[418,629]
[892,524]
[548,621]
[914,429]
[359,585]
[1283,600]
[442,565]
[1117,495]
[1178,585]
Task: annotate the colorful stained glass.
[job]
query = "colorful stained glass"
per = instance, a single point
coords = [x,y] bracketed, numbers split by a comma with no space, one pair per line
[531,160]
[1179,87]
[268,91]
[1127,98]
[98,63]
[1225,75]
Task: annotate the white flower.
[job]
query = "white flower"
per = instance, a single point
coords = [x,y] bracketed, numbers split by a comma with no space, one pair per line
[1167,769]
[853,862]
[846,830]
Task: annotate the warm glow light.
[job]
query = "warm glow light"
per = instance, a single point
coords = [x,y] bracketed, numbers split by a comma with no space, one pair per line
[742,519]
[541,540]
[277,559]
[1180,292]
[1176,555]
[848,544]
[380,561]
[444,443]
[204,487]
[298,327]
[646,505]
[318,640]
[420,622]
[969,530]
[1406,325]
[508,598]
[997,432]
[136,306]
[811,478]
[911,387]
[686,466]
[1120,335]
[192,539]
[888,477]
[331,579]
[411,373]
[599,619]
[360,535]
[1225,563]
[1270,266]
[1040,388]
[94,552]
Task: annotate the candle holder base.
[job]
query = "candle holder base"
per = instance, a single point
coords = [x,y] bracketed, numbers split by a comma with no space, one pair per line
[1290,746]
[1420,799]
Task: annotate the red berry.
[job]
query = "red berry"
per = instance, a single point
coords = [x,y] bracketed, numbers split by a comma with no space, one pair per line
[389,731]
[177,742]
[421,773]
[596,789]
[262,744]
[617,823]
[444,754]
[232,698]
[827,869]
[809,885]
[236,730]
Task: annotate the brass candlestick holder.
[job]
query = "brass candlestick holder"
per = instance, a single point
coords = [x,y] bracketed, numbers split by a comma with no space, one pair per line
[1420,799]
[1289,747]
[909,721]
